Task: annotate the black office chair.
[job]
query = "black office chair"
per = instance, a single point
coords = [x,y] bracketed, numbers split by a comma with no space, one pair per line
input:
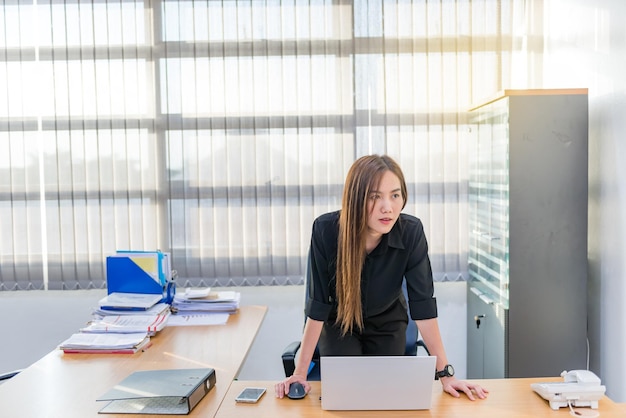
[289,354]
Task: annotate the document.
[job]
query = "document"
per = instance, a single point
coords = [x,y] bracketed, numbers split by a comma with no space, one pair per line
[203,293]
[129,301]
[175,391]
[128,324]
[182,320]
[226,302]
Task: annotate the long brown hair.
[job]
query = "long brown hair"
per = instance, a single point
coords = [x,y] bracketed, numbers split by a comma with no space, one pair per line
[362,178]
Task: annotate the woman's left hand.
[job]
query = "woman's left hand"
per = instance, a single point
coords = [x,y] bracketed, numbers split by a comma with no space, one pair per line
[454,386]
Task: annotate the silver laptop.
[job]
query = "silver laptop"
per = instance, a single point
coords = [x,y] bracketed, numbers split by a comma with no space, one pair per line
[377,382]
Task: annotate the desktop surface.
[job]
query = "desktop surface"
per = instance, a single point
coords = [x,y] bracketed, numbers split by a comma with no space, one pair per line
[508,398]
[67,385]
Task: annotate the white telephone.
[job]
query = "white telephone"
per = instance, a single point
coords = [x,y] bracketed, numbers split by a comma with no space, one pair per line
[579,388]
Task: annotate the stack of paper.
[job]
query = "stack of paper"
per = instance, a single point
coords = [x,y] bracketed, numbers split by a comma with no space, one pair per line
[128,324]
[106,343]
[191,303]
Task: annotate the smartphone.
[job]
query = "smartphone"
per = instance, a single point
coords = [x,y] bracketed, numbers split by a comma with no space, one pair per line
[250,395]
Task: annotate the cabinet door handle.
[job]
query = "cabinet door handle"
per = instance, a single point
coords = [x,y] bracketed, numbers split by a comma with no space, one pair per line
[477,319]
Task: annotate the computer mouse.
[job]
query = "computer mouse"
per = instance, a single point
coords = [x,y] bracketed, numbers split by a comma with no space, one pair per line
[296,391]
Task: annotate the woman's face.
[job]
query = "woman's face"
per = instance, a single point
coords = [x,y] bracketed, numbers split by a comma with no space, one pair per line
[384,205]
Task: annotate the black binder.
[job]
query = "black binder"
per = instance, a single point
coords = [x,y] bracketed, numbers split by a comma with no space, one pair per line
[170,392]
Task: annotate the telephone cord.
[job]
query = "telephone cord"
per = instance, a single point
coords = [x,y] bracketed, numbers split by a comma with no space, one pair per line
[579,412]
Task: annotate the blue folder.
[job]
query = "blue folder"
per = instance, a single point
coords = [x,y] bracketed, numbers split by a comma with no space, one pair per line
[161,262]
[125,275]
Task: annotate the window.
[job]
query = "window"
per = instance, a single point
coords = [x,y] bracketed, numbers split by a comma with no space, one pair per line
[218,130]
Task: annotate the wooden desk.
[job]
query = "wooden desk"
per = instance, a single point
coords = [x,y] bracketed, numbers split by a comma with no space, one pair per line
[67,385]
[507,398]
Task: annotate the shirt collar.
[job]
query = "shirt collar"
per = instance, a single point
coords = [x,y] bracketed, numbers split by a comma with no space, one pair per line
[395,235]
[391,239]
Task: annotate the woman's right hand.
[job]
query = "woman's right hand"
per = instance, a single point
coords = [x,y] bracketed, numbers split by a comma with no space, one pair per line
[282,388]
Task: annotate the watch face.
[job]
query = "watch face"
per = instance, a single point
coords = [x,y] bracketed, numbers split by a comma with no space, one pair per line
[450,370]
[447,371]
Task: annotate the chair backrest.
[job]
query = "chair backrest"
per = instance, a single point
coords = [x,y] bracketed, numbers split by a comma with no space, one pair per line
[411,329]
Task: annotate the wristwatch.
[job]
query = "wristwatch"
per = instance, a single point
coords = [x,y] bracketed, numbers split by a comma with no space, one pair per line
[447,371]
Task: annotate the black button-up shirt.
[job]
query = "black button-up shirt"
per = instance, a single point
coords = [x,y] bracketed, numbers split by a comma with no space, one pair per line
[402,253]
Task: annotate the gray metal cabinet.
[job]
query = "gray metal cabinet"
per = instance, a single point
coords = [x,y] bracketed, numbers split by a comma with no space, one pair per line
[528,187]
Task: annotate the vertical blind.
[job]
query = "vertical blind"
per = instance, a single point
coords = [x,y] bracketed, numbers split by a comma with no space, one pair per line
[218,130]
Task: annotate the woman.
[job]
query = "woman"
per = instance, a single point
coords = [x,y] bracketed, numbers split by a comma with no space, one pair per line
[358,259]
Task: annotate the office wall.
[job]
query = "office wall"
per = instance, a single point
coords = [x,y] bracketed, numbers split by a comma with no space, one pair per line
[585,46]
